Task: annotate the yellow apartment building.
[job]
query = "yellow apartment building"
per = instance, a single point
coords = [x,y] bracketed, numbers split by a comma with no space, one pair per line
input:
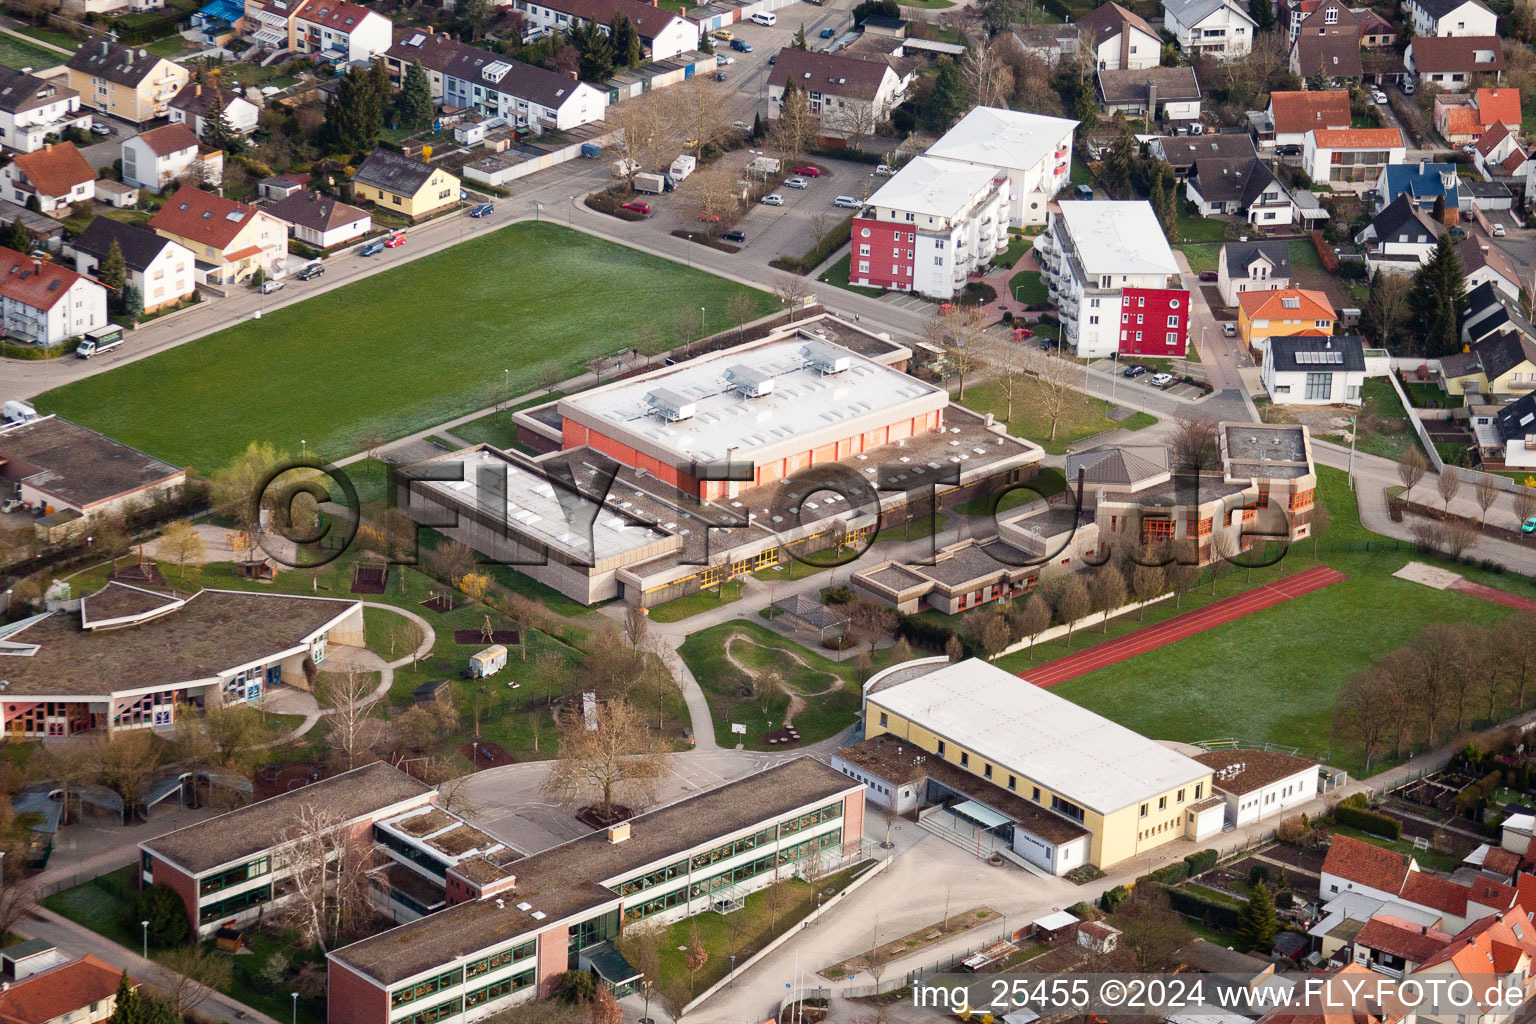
[125,81]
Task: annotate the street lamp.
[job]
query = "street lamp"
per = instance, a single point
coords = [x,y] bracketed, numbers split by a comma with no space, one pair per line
[145,926]
[701,321]
[295,1007]
[506,385]
[304,449]
[1349,474]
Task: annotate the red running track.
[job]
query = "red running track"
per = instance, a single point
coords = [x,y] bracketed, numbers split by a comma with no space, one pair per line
[1495,595]
[1181,626]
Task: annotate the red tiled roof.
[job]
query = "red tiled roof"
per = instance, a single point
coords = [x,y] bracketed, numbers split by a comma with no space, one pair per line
[51,994]
[1296,113]
[1359,861]
[1359,138]
[33,282]
[1330,1004]
[1489,893]
[1270,305]
[55,169]
[168,139]
[1501,861]
[1498,943]
[203,217]
[1436,893]
[1439,54]
[1498,105]
[1413,942]
[339,17]
[1463,121]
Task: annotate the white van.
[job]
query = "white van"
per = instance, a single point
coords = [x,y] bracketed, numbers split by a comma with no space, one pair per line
[17,411]
[765,18]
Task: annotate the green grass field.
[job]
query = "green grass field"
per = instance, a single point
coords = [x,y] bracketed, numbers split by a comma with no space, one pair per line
[1202,256]
[16,53]
[1027,287]
[1084,416]
[400,351]
[837,276]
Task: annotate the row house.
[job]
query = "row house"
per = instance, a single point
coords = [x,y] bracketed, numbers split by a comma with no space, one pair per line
[662,33]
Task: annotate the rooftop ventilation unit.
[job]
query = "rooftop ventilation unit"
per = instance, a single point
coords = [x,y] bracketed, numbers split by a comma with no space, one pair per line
[749,383]
[824,358]
[670,405]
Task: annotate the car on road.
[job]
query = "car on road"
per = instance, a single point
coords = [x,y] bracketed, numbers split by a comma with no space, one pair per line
[1498,231]
[828,33]
[1161,380]
[311,272]
[848,203]
[809,171]
[483,210]
[268,287]
[1208,275]
[101,129]
[1377,96]
[395,240]
[1229,329]
[741,46]
[796,183]
[773,60]
[734,236]
[772,199]
[1529,526]
[1133,371]
[637,207]
[723,34]
[372,249]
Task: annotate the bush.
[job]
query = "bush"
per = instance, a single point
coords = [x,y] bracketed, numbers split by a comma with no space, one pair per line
[1494,567]
[1368,821]
[1200,863]
[1352,270]
[858,156]
[162,908]
[840,594]
[1171,874]
[1112,898]
[921,633]
[1193,905]
[1325,253]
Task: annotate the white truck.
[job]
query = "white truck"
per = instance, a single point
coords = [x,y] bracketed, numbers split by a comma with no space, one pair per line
[98,340]
[17,411]
[624,168]
[651,183]
[683,166]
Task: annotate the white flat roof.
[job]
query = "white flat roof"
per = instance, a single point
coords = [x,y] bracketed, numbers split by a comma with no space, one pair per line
[933,188]
[1003,138]
[1030,731]
[803,400]
[1118,237]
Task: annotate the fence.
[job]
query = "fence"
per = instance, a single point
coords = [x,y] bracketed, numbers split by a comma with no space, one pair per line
[1418,424]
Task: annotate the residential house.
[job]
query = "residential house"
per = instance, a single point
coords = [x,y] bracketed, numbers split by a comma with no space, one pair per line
[1484,262]
[1320,17]
[45,304]
[33,108]
[82,990]
[231,240]
[411,188]
[341,31]
[849,96]
[1181,151]
[190,107]
[1166,94]
[1497,951]
[1424,183]
[1209,28]
[1395,946]
[1252,266]
[321,221]
[662,33]
[929,226]
[273,25]
[164,271]
[1351,159]
[527,97]
[1501,364]
[56,176]
[1301,370]
[1034,150]
[1400,239]
[1244,188]
[1462,119]
[1280,313]
[1509,436]
[163,155]
[1376,32]
[124,81]
[1498,154]
[1294,114]
[1451,18]
[1109,268]
[1259,784]
[1334,58]
[1354,867]
[1051,43]
[1120,40]
[215,21]
[1486,311]
[1452,61]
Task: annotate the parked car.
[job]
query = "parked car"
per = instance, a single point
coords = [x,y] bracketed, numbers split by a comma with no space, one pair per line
[828,33]
[1208,275]
[268,287]
[1457,232]
[1498,231]
[809,171]
[1291,150]
[1229,329]
[1377,96]
[1407,86]
[734,236]
[772,199]
[1162,380]
[848,203]
[796,183]
[709,218]
[741,46]
[1022,334]
[1529,526]
[638,207]
[484,209]
[311,272]
[719,76]
[773,60]
[883,170]
[723,34]
[101,129]
[395,240]
[1084,193]
[722,59]
[372,249]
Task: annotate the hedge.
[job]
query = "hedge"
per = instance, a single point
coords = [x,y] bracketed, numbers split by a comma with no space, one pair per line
[1200,863]
[1325,253]
[160,28]
[849,153]
[839,236]
[1368,821]
[1171,874]
[1217,915]
[922,633]
[1112,898]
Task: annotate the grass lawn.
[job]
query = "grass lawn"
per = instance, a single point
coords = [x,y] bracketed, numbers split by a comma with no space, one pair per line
[915,529]
[697,603]
[792,569]
[728,688]
[170,47]
[99,903]
[1084,415]
[1201,229]
[1202,256]
[1079,175]
[15,53]
[1304,259]
[1285,692]
[1431,396]
[1431,859]
[396,374]
[837,275]
[1027,287]
[1018,245]
[61,39]
[1384,426]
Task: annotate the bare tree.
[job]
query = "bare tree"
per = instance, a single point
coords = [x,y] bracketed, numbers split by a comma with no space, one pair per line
[795,126]
[1363,713]
[1147,581]
[328,876]
[642,948]
[1108,592]
[1460,537]
[1072,603]
[196,973]
[1516,646]
[618,759]
[1487,492]
[181,543]
[699,111]
[1196,444]
[871,622]
[739,307]
[548,375]
[1410,470]
[715,193]
[1061,383]
[1387,305]
[1010,378]
[890,815]
[126,761]
[1524,506]
[1034,619]
[878,958]
[792,291]
[1448,485]
[989,77]
[349,700]
[642,135]
[820,223]
[854,121]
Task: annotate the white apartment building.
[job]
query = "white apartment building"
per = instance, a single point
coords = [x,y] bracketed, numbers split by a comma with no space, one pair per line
[1351,158]
[1093,256]
[1035,152]
[46,304]
[930,226]
[1451,18]
[662,32]
[1215,28]
[33,108]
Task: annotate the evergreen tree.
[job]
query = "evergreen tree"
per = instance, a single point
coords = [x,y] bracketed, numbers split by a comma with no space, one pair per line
[1435,299]
[1256,922]
[625,41]
[1263,14]
[757,133]
[1086,110]
[887,8]
[133,303]
[1162,190]
[473,17]
[948,98]
[1437,212]
[129,1008]
[353,115]
[113,271]
[596,53]
[218,133]
[799,42]
[1120,161]
[14,236]
[413,105]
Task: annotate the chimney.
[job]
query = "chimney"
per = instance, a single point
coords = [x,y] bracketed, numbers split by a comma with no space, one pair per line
[47,147]
[575,77]
[429,30]
[1421,166]
[197,90]
[1151,98]
[618,833]
[104,47]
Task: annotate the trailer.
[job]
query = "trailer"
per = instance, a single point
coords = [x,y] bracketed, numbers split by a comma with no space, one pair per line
[655,184]
[590,150]
[683,166]
[624,168]
[487,662]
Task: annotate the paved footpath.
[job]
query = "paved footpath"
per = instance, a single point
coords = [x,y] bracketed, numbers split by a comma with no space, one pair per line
[1180,626]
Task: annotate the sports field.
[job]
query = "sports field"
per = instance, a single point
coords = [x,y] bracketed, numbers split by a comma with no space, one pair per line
[402,350]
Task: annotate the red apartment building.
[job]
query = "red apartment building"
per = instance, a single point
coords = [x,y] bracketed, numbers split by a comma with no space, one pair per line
[1154,322]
